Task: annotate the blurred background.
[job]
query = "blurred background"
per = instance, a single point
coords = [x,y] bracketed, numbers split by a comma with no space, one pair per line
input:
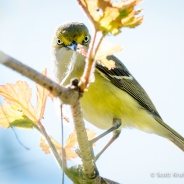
[153,52]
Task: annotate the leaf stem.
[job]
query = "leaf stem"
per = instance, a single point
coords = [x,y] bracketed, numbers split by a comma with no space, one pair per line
[41,129]
[90,61]
[85,9]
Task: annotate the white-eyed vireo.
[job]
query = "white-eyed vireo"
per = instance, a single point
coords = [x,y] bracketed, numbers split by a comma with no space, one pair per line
[115,92]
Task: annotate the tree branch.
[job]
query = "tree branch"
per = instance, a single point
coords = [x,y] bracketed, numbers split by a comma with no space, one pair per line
[86,154]
[66,95]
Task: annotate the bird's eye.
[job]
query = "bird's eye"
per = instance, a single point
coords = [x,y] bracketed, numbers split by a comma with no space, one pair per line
[59,42]
[86,39]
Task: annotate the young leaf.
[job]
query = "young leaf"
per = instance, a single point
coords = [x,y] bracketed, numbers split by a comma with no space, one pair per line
[18,96]
[69,150]
[22,123]
[44,146]
[42,95]
[104,50]
[69,147]
[18,110]
[14,117]
[110,17]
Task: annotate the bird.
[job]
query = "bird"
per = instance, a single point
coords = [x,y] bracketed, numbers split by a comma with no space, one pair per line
[115,93]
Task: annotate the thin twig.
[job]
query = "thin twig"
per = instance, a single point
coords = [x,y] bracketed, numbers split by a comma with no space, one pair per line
[90,61]
[85,9]
[51,145]
[62,144]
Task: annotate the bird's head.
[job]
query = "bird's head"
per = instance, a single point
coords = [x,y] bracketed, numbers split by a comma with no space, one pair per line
[70,35]
[67,62]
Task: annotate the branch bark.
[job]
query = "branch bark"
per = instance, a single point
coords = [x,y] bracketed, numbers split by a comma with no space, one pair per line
[86,154]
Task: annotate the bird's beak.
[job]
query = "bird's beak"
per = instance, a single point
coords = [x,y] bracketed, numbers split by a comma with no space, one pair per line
[73,46]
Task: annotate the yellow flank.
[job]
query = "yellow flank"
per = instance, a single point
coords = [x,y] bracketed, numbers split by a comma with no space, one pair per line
[104,101]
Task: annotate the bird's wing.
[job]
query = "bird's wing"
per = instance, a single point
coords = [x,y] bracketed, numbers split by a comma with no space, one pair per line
[122,79]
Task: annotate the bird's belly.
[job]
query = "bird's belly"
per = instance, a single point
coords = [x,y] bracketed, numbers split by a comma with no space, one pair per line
[104,101]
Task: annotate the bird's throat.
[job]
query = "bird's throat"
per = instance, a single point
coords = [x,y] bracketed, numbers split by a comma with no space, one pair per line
[68,64]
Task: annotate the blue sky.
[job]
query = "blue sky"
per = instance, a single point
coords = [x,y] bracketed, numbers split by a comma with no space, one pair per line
[153,52]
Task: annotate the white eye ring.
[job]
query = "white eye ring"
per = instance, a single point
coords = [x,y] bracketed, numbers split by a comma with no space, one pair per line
[86,39]
[59,42]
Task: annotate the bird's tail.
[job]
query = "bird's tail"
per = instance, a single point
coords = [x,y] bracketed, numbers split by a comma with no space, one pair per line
[172,135]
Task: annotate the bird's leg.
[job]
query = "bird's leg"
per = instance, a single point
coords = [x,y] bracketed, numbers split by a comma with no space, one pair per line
[116,125]
[116,134]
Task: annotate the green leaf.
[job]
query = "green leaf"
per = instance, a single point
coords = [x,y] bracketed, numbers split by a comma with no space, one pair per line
[22,123]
